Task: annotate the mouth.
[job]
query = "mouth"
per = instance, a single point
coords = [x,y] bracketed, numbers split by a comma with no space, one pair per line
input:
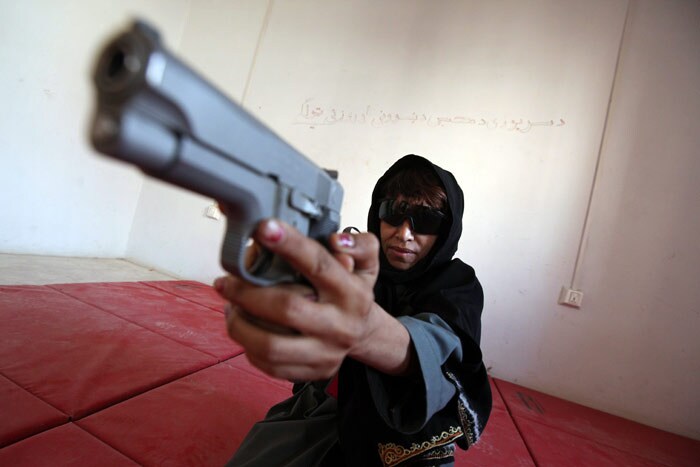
[401,258]
[401,251]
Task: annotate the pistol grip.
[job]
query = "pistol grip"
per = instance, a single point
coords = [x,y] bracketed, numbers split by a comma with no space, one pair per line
[266,269]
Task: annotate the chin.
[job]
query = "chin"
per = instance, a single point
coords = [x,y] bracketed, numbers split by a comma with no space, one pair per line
[400,266]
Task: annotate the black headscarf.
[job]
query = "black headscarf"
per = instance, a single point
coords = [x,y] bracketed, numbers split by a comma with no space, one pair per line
[446,245]
[438,274]
[440,285]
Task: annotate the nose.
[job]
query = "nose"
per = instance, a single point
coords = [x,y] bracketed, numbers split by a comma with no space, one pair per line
[405,231]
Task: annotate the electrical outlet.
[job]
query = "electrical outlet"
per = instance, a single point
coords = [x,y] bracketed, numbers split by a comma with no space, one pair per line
[213,212]
[570,297]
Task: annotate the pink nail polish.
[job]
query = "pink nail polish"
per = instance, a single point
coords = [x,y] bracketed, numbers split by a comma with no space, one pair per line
[346,240]
[272,231]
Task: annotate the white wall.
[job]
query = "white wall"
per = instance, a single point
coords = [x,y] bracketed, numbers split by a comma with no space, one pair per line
[170,230]
[635,348]
[631,350]
[57,197]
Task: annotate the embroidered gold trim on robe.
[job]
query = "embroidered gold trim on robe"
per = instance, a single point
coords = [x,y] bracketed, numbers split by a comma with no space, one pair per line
[392,454]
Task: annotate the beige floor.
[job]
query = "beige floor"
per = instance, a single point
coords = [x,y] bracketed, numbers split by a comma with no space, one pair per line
[38,270]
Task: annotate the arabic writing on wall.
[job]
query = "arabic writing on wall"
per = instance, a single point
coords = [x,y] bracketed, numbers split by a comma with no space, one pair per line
[315,115]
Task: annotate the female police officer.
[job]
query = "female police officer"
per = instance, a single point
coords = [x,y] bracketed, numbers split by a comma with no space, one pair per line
[385,349]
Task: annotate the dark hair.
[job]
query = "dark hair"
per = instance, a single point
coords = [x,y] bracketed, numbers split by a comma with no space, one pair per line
[418,185]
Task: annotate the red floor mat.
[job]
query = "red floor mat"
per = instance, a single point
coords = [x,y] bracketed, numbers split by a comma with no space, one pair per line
[24,414]
[600,427]
[552,447]
[193,291]
[496,396]
[183,321]
[137,365]
[500,445]
[199,420]
[243,364]
[79,358]
[66,445]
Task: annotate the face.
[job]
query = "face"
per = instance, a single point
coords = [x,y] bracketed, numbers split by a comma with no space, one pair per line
[402,247]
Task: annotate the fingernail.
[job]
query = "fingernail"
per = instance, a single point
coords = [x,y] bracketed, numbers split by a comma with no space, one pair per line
[272,231]
[227,310]
[219,284]
[346,240]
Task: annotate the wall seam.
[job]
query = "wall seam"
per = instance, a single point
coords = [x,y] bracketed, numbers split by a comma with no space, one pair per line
[596,172]
[261,36]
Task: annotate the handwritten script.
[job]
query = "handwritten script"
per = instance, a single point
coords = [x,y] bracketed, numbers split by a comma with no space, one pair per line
[315,115]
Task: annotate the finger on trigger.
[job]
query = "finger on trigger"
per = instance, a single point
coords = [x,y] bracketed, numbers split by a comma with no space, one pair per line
[363,248]
[304,254]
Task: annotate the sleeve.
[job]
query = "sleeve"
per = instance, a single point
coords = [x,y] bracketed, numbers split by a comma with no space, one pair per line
[406,403]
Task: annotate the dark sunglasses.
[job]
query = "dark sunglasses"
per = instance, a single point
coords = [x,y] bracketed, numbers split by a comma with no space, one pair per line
[423,219]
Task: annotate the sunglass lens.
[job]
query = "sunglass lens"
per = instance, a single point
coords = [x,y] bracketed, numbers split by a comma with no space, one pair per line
[424,220]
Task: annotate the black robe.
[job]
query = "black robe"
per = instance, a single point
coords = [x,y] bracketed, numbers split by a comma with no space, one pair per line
[371,406]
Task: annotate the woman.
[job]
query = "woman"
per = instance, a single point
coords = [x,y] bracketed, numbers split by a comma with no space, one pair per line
[388,338]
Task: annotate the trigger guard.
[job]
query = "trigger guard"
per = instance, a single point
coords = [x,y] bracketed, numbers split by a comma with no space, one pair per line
[265,271]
